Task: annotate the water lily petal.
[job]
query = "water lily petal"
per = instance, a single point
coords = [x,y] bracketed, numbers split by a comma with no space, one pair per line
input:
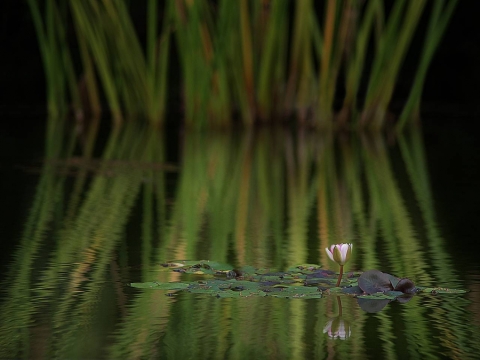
[337,255]
[330,253]
[340,253]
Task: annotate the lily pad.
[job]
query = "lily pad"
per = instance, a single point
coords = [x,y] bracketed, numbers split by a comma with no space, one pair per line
[374,281]
[373,288]
[157,285]
[393,280]
[394,293]
[239,294]
[297,292]
[322,274]
[353,290]
[405,286]
[378,296]
[438,290]
[305,268]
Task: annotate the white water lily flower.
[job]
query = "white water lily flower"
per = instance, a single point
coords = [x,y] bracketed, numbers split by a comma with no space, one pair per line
[340,253]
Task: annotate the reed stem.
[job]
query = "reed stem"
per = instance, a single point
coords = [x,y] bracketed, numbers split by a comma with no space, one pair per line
[244,58]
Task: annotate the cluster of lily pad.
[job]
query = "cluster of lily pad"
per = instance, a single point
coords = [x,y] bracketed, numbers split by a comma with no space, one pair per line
[301,281]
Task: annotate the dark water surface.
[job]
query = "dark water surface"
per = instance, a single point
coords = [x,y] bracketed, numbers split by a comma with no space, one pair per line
[75,231]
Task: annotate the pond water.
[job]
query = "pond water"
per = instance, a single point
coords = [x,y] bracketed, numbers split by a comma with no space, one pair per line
[77,230]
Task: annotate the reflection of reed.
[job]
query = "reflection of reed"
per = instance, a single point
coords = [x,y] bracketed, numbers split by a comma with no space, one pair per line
[86,238]
[264,199]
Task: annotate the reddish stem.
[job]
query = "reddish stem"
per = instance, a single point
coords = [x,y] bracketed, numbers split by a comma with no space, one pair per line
[340,276]
[339,303]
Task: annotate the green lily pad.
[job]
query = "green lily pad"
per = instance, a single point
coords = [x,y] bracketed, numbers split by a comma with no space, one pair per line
[378,296]
[394,293]
[304,268]
[374,289]
[439,290]
[162,286]
[296,292]
[239,294]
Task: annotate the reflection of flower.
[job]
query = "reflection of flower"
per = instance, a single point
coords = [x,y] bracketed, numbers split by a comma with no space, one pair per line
[337,328]
[340,253]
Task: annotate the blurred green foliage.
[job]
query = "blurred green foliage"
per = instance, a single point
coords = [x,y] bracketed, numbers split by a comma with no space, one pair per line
[260,60]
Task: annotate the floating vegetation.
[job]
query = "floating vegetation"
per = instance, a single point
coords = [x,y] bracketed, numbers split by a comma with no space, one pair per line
[302,281]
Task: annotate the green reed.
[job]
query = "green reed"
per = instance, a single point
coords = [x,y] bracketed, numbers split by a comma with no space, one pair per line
[259,60]
[441,14]
[56,57]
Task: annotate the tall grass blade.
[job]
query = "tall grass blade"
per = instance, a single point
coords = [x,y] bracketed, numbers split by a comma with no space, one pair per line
[439,19]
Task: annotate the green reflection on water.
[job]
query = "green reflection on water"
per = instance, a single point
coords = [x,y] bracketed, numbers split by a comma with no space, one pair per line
[267,199]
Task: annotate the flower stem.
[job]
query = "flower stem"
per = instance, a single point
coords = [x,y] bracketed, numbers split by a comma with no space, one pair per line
[340,276]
